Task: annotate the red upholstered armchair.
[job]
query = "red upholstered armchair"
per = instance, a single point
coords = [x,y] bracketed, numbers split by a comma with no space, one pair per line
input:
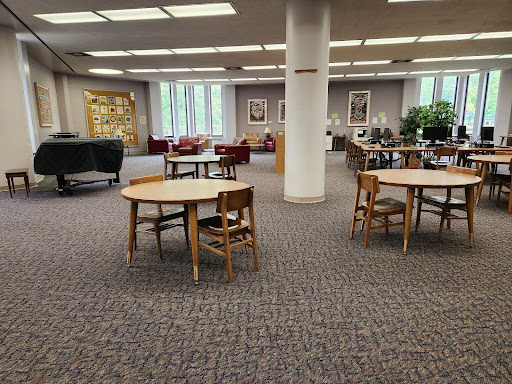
[270,144]
[239,148]
[159,145]
[188,146]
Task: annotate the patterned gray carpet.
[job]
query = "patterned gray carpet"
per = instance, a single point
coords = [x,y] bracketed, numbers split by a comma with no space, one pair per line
[322,309]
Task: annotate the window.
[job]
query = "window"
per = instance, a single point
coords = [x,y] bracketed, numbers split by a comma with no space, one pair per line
[166,109]
[216,108]
[182,109]
[449,92]
[199,109]
[427,90]
[491,98]
[471,100]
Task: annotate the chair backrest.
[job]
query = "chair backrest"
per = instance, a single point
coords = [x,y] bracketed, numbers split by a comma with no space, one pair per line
[153,137]
[166,157]
[235,200]
[445,151]
[454,169]
[369,183]
[145,179]
[503,153]
[226,163]
[186,141]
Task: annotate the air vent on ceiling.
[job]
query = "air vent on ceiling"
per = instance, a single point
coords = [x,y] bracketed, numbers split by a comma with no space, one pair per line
[402,61]
[77,54]
[233,68]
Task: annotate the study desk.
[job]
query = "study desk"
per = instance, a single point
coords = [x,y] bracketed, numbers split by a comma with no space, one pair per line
[189,192]
[485,160]
[463,152]
[196,159]
[425,178]
[377,148]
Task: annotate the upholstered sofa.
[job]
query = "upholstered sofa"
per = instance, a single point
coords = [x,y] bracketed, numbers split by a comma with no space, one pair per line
[270,144]
[205,140]
[239,148]
[156,145]
[188,146]
[252,139]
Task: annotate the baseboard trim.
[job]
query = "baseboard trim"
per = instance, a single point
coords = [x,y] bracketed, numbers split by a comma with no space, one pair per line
[302,200]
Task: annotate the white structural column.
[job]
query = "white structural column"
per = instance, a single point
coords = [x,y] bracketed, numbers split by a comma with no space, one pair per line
[15,146]
[308,24]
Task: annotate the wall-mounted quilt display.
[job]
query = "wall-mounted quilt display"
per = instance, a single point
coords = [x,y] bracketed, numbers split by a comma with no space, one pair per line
[358,108]
[111,114]
[257,111]
[44,108]
[281,112]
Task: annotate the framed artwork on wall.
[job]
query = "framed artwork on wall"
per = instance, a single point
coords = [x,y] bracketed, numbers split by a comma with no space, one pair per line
[257,111]
[44,108]
[358,108]
[281,111]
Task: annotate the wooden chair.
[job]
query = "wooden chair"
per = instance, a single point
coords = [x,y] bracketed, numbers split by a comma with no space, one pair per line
[374,210]
[226,163]
[159,217]
[493,170]
[443,152]
[360,160]
[229,232]
[174,168]
[505,181]
[446,204]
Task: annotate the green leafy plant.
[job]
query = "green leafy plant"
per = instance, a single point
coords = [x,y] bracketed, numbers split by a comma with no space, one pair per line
[410,123]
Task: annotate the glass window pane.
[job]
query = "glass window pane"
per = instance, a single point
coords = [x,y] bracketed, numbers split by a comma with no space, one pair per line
[166,109]
[199,109]
[427,90]
[216,108]
[182,109]
[491,100]
[449,89]
[470,107]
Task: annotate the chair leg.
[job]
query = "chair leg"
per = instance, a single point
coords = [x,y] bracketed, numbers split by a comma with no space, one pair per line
[227,249]
[185,227]
[255,253]
[499,194]
[386,218]
[158,244]
[418,209]
[353,226]
[368,228]
[443,218]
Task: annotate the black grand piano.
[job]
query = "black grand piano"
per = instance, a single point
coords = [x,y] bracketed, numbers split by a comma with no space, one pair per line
[67,156]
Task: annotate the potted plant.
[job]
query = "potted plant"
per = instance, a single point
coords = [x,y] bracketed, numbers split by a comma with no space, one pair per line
[438,114]
[410,123]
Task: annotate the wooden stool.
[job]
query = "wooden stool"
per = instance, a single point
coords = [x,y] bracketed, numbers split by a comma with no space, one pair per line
[10,174]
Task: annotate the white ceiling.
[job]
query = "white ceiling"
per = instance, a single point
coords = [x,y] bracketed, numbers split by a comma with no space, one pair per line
[261,22]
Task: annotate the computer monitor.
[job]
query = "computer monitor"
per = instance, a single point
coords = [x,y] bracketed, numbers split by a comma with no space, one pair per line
[461,132]
[387,134]
[487,134]
[375,133]
[435,133]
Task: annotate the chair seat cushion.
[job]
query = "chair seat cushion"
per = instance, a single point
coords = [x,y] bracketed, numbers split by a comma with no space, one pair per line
[441,200]
[213,225]
[387,205]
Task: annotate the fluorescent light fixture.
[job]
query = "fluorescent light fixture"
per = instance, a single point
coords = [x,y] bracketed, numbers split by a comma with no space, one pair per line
[240,48]
[175,70]
[71,17]
[281,66]
[406,1]
[476,57]
[422,72]
[108,53]
[359,74]
[196,10]
[459,70]
[271,78]
[216,80]
[509,56]
[432,59]
[105,71]
[143,70]
[391,40]
[190,81]
[333,76]
[374,62]
[493,35]
[274,47]
[345,43]
[460,36]
[194,50]
[392,73]
[340,64]
[252,67]
[148,52]
[245,79]
[134,14]
[208,69]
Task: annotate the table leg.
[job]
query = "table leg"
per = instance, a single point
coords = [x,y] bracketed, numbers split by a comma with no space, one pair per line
[470,198]
[197,170]
[131,232]
[367,161]
[408,215]
[206,174]
[402,160]
[481,185]
[390,160]
[194,235]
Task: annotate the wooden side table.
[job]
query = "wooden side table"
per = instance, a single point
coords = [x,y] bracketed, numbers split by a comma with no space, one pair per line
[10,174]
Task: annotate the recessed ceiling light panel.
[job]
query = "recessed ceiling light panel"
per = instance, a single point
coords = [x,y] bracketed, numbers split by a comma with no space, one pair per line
[149,52]
[245,79]
[333,76]
[108,53]
[198,10]
[493,35]
[391,40]
[240,48]
[71,17]
[105,71]
[432,59]
[359,74]
[463,36]
[282,66]
[211,69]
[256,67]
[175,70]
[143,70]
[373,62]
[134,14]
[340,64]
[216,80]
[391,73]
[484,57]
[422,72]
[505,57]
[193,50]
[274,47]
[345,43]
[271,78]
[190,81]
[459,70]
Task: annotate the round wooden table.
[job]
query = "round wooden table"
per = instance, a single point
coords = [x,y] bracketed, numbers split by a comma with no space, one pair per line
[486,160]
[425,178]
[196,159]
[189,192]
